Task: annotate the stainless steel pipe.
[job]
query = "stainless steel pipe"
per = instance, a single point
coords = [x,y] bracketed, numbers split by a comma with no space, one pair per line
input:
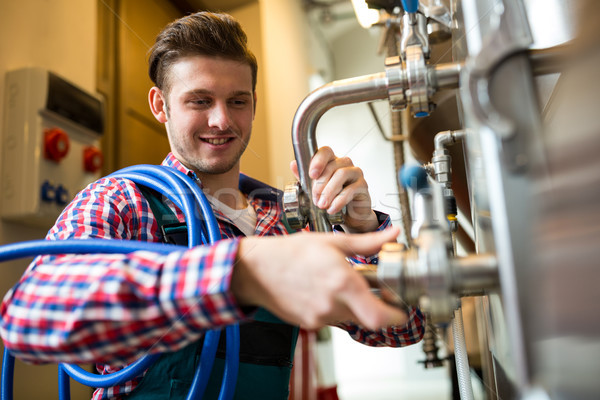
[349,91]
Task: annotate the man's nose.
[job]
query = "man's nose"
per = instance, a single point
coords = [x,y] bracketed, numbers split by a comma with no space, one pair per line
[220,117]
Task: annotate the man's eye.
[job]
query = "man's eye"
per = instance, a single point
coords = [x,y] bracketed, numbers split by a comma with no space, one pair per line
[239,103]
[200,102]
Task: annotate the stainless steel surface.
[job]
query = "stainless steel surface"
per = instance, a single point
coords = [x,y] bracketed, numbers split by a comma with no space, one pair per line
[530,190]
[428,275]
[503,129]
[414,33]
[418,81]
[395,83]
[475,274]
[445,76]
[509,162]
[294,206]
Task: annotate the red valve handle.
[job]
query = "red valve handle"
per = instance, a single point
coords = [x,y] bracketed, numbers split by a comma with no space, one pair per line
[56,144]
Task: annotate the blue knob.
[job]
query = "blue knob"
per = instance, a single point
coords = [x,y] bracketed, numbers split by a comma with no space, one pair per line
[410,6]
[414,177]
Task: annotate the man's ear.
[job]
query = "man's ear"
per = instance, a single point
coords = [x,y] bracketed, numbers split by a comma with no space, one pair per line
[158,104]
[254,108]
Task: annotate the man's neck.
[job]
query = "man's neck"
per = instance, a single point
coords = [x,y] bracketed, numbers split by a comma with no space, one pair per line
[224,187]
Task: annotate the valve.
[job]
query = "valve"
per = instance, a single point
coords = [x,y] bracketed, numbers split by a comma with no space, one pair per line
[296,208]
[414,29]
[428,275]
[92,159]
[56,144]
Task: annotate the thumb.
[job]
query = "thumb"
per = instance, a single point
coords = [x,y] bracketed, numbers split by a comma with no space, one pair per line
[294,168]
[366,243]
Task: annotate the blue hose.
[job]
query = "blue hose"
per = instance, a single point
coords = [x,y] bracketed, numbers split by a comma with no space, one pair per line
[207,357]
[185,194]
[231,363]
[81,246]
[8,373]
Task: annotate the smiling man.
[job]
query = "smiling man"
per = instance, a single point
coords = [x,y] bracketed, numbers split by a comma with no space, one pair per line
[111,309]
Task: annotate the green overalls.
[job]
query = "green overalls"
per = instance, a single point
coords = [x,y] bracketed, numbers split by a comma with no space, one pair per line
[267,344]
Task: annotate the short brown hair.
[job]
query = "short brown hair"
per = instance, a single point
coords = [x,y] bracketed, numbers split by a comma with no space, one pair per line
[203,33]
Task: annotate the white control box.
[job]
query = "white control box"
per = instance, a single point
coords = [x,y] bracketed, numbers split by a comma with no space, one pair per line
[50,145]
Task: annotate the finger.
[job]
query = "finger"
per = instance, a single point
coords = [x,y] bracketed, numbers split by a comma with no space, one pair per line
[366,308]
[364,243]
[333,178]
[373,313]
[342,188]
[320,161]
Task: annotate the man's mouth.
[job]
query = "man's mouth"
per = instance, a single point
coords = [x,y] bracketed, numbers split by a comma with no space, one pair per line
[216,141]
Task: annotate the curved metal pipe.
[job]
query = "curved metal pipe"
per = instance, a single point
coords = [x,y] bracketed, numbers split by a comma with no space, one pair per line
[445,138]
[347,91]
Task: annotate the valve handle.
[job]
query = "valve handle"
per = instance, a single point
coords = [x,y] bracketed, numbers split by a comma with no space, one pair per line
[410,6]
[414,177]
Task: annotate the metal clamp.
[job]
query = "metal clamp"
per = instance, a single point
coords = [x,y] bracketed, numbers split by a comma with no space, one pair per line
[418,81]
[296,208]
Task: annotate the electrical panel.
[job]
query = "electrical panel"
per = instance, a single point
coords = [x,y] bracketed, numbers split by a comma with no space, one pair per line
[50,145]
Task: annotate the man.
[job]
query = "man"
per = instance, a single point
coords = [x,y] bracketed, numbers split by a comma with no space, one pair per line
[110,309]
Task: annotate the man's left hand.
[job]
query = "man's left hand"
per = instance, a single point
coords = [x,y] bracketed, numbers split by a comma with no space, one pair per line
[338,183]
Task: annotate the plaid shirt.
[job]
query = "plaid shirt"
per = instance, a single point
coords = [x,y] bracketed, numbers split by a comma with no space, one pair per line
[111,309]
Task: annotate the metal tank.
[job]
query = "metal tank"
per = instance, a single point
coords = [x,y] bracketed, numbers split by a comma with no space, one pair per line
[502,117]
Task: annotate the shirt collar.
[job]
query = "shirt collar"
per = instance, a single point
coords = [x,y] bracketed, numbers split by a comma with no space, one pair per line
[249,186]
[172,161]
[264,198]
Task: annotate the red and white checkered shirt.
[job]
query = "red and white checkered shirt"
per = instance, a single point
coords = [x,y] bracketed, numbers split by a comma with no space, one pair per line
[111,309]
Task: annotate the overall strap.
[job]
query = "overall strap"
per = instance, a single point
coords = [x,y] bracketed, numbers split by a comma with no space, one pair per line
[162,213]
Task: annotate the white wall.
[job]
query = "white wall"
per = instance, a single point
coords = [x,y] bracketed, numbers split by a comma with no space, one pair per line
[59,35]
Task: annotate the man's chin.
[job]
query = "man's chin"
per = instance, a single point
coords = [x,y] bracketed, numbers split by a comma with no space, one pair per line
[216,169]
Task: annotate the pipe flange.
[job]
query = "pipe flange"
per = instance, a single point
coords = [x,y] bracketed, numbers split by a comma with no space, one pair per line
[294,206]
[391,270]
[434,270]
[419,276]
[396,83]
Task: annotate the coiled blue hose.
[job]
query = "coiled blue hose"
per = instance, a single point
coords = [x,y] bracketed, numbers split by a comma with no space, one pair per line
[185,194]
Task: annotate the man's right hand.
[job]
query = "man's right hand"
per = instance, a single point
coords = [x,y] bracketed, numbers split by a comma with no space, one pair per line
[306,280]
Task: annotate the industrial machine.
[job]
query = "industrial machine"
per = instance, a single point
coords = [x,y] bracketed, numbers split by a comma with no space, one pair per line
[51,139]
[507,135]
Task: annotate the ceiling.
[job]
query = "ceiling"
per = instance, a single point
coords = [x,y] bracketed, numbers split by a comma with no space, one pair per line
[188,6]
[333,17]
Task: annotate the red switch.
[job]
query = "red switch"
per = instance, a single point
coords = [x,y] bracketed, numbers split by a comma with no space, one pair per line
[92,159]
[56,144]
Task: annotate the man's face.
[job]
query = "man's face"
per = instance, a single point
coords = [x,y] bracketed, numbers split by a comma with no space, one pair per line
[210,112]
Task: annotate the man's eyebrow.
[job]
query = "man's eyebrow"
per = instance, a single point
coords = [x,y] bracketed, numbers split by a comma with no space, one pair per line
[236,93]
[241,93]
